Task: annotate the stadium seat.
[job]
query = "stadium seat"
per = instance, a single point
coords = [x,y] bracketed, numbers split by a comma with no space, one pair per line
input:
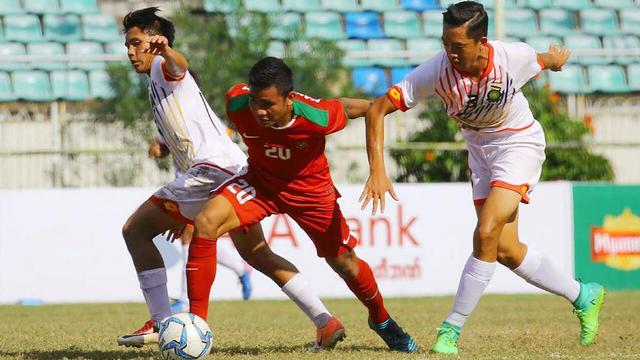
[22,28]
[399,73]
[402,24]
[85,48]
[599,22]
[301,5]
[115,47]
[607,79]
[432,22]
[2,39]
[537,4]
[379,5]
[354,45]
[69,85]
[363,25]
[573,5]
[584,42]
[46,49]
[80,7]
[10,7]
[340,5]
[63,28]
[221,6]
[420,5]
[633,74]
[630,21]
[370,80]
[615,4]
[285,26]
[41,6]
[324,25]
[276,48]
[387,46]
[12,49]
[31,85]
[520,22]
[557,22]
[541,43]
[99,84]
[430,45]
[622,42]
[445,3]
[99,27]
[570,80]
[6,91]
[490,4]
[263,6]
[297,48]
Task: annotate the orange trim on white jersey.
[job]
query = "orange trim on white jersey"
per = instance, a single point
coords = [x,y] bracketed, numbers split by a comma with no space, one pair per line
[542,67]
[520,189]
[168,76]
[515,129]
[397,98]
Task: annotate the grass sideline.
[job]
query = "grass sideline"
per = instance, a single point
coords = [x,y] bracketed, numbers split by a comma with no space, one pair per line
[502,327]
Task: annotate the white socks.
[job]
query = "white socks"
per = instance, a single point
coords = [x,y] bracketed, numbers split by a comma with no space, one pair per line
[538,270]
[301,293]
[154,288]
[230,259]
[475,278]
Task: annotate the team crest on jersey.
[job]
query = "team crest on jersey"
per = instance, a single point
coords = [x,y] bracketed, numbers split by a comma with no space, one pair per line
[302,144]
[496,93]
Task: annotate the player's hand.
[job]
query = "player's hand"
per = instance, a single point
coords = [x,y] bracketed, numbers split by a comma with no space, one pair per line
[158,45]
[155,150]
[375,189]
[558,57]
[173,234]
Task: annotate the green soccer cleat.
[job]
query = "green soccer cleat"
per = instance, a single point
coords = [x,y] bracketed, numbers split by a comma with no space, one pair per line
[587,309]
[447,339]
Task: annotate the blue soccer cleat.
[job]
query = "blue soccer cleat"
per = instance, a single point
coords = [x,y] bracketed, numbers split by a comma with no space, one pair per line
[245,281]
[393,335]
[178,306]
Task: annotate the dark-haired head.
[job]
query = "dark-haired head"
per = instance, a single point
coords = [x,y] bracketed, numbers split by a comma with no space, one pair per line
[464,36]
[469,14]
[271,71]
[271,96]
[150,23]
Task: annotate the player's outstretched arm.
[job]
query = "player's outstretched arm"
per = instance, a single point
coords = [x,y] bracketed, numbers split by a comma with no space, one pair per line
[378,183]
[176,62]
[355,107]
[555,58]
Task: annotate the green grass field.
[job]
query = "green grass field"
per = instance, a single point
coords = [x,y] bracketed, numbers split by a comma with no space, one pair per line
[502,327]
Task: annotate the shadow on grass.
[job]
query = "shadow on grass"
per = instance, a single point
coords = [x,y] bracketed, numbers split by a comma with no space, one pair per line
[75,353]
[280,349]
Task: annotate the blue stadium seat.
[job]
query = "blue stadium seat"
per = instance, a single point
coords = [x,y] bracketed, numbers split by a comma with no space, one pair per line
[354,45]
[571,80]
[285,26]
[619,42]
[85,48]
[387,46]
[371,80]
[363,25]
[99,84]
[115,47]
[557,22]
[379,5]
[489,4]
[46,49]
[263,6]
[6,90]
[41,6]
[22,28]
[324,25]
[584,42]
[615,4]
[599,22]
[607,79]
[31,85]
[573,5]
[10,7]
[432,21]
[399,73]
[12,49]
[537,4]
[520,22]
[630,21]
[221,6]
[69,85]
[80,7]
[99,27]
[276,48]
[541,42]
[340,5]
[301,5]
[63,28]
[445,3]
[420,5]
[431,45]
[633,74]
[402,24]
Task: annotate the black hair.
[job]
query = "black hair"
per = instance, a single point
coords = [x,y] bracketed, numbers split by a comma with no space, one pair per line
[271,71]
[470,13]
[150,23]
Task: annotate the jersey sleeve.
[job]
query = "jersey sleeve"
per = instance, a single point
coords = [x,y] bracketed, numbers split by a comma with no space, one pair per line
[323,116]
[337,116]
[161,75]
[237,99]
[419,84]
[523,62]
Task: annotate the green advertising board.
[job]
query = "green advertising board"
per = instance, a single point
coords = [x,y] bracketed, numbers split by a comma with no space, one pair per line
[606,221]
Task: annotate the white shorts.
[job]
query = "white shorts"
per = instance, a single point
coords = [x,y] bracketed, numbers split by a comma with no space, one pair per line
[507,159]
[185,196]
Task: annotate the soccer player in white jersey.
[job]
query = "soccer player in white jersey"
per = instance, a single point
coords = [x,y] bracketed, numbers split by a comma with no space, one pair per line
[479,83]
[207,158]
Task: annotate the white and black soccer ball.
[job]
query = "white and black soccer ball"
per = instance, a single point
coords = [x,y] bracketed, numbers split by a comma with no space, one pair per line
[184,336]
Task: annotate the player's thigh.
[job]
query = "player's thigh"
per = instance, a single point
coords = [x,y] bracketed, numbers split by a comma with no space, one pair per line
[149,220]
[218,215]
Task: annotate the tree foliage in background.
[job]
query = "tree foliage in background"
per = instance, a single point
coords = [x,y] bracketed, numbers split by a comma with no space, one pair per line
[574,162]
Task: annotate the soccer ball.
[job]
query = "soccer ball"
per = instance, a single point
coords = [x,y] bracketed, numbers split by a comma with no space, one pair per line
[184,336]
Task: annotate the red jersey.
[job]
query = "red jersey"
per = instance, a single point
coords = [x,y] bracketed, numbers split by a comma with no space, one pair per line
[289,159]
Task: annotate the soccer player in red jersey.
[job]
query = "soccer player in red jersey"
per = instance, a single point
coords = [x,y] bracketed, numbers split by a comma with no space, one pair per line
[288,173]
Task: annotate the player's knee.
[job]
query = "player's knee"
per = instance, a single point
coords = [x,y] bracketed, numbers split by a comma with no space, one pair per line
[129,231]
[207,224]
[488,232]
[345,265]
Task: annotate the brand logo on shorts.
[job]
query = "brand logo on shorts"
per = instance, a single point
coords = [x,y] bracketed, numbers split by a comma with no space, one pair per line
[302,144]
[171,207]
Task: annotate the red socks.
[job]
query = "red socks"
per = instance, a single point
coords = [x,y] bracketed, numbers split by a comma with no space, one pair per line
[201,271]
[365,288]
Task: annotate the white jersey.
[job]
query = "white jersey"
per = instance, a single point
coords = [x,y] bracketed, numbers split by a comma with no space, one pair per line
[187,125]
[493,103]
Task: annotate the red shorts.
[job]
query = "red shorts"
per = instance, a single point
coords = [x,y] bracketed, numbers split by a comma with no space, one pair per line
[321,218]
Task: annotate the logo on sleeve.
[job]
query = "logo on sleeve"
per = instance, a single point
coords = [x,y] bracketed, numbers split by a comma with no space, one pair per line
[395,94]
